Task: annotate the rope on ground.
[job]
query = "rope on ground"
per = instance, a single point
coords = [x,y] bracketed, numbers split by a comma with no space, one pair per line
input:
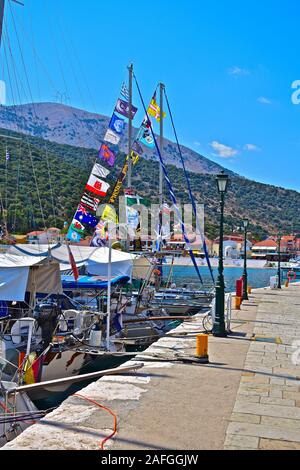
[106,409]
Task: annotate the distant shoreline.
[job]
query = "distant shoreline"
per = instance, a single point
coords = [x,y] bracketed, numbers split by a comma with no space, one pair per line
[186,262]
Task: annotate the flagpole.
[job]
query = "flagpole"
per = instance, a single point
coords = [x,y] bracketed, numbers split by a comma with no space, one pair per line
[161,175]
[109,270]
[2,8]
[161,143]
[130,69]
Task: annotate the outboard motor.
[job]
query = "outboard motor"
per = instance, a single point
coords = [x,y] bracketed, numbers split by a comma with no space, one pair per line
[46,314]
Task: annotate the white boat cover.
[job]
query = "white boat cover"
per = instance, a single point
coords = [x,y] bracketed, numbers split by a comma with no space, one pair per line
[95,259]
[21,274]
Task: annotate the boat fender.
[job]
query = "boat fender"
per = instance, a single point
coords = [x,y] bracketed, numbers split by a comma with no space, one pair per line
[96,336]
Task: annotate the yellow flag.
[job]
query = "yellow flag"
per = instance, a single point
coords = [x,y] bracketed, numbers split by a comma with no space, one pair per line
[29,377]
[109,214]
[154,110]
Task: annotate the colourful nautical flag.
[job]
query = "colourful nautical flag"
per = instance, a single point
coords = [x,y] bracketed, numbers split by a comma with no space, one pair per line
[122,107]
[145,136]
[109,215]
[154,109]
[73,236]
[83,216]
[129,192]
[100,171]
[31,367]
[101,233]
[111,137]
[117,124]
[132,200]
[132,217]
[97,186]
[90,202]
[137,148]
[77,226]
[134,157]
[119,183]
[125,92]
[73,263]
[107,155]
[100,238]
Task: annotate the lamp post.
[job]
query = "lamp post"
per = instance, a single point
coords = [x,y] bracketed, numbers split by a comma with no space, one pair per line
[279,261]
[219,329]
[245,274]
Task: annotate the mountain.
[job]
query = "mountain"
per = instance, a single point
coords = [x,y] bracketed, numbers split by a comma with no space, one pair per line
[71,126]
[43,181]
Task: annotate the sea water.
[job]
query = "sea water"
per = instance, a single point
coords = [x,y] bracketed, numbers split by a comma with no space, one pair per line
[186,275]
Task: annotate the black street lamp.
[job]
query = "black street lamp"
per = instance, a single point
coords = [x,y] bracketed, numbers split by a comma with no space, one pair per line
[245,274]
[219,328]
[279,261]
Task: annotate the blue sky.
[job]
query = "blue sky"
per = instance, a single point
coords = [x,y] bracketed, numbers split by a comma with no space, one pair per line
[228,67]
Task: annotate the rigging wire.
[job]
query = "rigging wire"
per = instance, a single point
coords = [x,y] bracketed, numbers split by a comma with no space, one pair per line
[189,188]
[14,223]
[35,114]
[16,116]
[172,194]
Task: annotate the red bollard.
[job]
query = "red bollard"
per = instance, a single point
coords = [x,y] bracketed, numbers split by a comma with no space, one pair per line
[239,288]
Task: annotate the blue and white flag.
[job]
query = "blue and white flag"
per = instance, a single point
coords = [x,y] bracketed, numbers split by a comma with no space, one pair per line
[125,92]
[117,124]
[73,236]
[145,135]
[84,216]
[7,155]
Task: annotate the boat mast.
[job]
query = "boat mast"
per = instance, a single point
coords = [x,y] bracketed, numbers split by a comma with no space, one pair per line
[130,69]
[4,210]
[161,175]
[161,144]
[2,8]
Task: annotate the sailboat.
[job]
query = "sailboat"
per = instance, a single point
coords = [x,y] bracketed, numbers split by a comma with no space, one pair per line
[50,337]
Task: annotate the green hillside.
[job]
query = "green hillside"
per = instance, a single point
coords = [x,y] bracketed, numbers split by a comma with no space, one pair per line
[27,179]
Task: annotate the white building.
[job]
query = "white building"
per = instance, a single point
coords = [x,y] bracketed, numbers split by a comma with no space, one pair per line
[51,236]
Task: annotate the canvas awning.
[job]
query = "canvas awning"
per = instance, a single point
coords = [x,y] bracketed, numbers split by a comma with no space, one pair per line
[90,282]
[21,274]
[94,259]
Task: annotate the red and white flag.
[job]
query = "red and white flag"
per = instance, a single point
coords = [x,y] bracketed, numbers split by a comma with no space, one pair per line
[73,263]
[97,186]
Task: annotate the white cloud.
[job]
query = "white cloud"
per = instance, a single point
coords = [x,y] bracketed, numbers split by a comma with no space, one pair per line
[252,148]
[264,100]
[222,150]
[238,71]
[197,144]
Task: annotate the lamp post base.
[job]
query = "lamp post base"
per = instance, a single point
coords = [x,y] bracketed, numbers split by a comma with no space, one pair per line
[220,334]
[219,330]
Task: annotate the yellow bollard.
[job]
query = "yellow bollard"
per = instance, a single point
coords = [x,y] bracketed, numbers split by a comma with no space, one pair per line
[238,303]
[249,290]
[202,348]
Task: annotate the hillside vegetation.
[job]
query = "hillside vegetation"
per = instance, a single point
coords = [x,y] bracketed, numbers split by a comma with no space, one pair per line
[33,160]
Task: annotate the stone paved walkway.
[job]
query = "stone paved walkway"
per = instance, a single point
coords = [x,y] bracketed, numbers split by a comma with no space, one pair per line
[266,414]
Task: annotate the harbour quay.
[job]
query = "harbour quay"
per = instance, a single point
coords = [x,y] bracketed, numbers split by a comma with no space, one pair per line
[246,397]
